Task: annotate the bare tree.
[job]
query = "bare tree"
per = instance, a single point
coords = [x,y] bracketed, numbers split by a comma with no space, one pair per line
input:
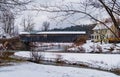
[27,23]
[111,7]
[7,19]
[12,4]
[8,11]
[16,30]
[91,9]
[46,25]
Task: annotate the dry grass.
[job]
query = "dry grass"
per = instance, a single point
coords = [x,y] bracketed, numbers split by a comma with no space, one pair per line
[6,59]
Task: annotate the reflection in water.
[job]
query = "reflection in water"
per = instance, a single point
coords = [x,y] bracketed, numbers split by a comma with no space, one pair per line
[39,46]
[50,48]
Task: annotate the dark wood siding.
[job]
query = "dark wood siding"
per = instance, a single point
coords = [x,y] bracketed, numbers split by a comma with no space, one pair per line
[49,37]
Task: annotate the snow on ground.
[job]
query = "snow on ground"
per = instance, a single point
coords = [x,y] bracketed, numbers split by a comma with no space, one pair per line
[97,47]
[38,70]
[86,47]
[102,61]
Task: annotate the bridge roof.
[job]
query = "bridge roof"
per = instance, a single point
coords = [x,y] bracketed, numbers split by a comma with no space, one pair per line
[55,32]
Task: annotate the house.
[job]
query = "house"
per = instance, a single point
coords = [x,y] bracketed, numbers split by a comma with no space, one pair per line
[105,33]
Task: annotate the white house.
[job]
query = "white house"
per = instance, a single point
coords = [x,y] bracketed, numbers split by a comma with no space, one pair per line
[104,33]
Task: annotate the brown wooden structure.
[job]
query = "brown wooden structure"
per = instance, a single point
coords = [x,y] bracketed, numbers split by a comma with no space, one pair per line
[51,36]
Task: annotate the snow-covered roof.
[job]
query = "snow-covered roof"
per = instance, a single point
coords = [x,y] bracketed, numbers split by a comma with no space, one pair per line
[102,26]
[55,32]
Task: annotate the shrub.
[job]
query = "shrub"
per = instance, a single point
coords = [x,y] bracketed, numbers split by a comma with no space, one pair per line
[6,54]
[36,56]
[81,49]
[80,40]
[99,49]
[116,70]
[59,59]
[96,49]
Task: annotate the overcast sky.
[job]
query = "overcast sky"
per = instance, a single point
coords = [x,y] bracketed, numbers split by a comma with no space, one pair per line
[40,17]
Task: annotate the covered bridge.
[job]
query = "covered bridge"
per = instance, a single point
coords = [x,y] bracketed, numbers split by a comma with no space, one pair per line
[51,36]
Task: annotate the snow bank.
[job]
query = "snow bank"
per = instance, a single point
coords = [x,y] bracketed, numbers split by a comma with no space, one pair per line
[91,47]
[38,70]
[88,47]
[102,61]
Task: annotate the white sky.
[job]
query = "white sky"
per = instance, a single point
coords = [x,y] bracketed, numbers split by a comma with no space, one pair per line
[40,17]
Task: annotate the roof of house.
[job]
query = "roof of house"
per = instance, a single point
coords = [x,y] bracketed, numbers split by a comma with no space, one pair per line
[102,26]
[55,32]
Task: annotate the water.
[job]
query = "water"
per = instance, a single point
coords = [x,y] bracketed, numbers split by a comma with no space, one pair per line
[49,48]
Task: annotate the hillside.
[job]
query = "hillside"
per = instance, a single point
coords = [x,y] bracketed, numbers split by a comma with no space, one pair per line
[87,28]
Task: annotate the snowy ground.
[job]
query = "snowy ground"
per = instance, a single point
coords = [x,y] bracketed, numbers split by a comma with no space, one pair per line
[97,47]
[38,70]
[101,61]
[89,47]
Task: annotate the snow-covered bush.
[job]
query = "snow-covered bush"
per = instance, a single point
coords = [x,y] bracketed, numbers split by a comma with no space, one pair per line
[36,56]
[96,48]
[78,49]
[59,59]
[81,49]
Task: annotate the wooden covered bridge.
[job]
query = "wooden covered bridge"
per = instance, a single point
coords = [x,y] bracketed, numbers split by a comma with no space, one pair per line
[51,36]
